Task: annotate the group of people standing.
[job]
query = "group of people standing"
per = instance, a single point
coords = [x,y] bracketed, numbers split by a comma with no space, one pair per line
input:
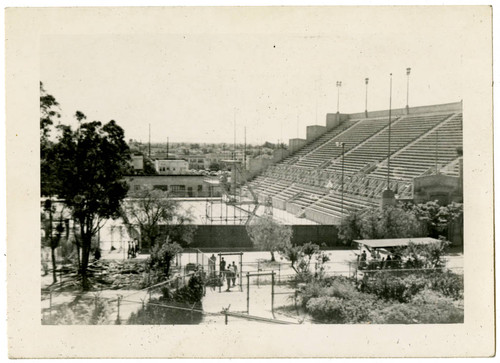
[227,272]
[133,249]
[377,262]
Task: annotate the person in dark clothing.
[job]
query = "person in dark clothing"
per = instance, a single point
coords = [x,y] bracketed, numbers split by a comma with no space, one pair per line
[222,268]
[388,261]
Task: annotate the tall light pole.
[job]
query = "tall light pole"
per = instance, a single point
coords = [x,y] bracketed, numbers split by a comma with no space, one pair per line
[339,84]
[366,97]
[408,70]
[436,150]
[389,138]
[338,144]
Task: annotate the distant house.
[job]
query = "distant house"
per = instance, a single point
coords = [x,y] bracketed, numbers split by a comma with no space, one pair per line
[198,162]
[171,167]
[187,186]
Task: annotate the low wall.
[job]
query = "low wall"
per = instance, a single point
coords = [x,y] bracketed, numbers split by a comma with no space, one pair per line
[296,144]
[321,217]
[447,107]
[236,236]
[334,119]
[314,131]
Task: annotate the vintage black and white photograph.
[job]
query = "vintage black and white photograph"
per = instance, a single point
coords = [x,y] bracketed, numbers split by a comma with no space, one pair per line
[257,167]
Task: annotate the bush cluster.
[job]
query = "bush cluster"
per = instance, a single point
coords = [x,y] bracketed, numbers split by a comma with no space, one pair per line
[427,307]
[449,284]
[381,298]
[389,287]
[336,300]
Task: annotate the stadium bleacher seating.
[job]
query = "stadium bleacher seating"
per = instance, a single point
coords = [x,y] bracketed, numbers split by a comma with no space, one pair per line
[310,180]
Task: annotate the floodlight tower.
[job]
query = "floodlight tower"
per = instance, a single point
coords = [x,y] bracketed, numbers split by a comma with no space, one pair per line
[388,196]
[408,70]
[339,84]
[366,97]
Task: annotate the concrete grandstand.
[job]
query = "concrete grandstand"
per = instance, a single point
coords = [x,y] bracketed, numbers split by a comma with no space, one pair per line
[347,164]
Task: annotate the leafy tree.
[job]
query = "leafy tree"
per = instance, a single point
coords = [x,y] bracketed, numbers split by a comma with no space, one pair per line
[214,166]
[351,227]
[149,168]
[375,223]
[395,222]
[52,238]
[48,112]
[300,258]
[437,218]
[162,256]
[158,217]
[89,165]
[268,234]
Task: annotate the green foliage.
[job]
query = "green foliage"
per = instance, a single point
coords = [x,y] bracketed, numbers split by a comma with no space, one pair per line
[160,260]
[88,311]
[163,312]
[388,286]
[48,112]
[158,217]
[269,235]
[416,256]
[427,307]
[88,168]
[428,219]
[336,300]
[215,166]
[448,284]
[435,217]
[351,227]
[300,258]
[192,292]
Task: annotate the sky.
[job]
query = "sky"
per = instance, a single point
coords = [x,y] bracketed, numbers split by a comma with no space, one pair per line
[205,87]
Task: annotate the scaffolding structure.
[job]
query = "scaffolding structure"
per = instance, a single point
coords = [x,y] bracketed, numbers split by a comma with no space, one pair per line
[232,207]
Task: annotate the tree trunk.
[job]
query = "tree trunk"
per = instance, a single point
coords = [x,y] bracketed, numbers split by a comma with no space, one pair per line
[54,267]
[86,239]
[272,256]
[167,267]
[78,257]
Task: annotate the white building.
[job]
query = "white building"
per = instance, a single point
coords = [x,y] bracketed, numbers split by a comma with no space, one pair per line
[171,167]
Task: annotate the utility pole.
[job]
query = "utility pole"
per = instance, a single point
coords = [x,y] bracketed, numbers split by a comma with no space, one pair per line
[149,147]
[234,135]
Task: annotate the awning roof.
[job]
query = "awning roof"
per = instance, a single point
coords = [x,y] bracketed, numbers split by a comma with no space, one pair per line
[395,242]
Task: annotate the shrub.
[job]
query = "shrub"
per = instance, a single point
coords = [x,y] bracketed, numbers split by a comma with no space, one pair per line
[88,311]
[331,309]
[336,300]
[389,287]
[328,309]
[313,289]
[427,307]
[448,283]
[192,293]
